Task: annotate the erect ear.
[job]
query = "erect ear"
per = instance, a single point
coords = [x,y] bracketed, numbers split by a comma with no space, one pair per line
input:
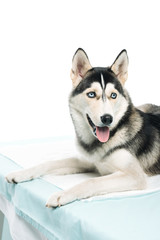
[120,67]
[80,66]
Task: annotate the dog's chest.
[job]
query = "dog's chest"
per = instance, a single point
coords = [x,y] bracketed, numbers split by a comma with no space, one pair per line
[107,163]
[97,158]
[92,156]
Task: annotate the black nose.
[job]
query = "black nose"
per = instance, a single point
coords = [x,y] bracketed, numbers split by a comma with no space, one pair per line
[107,119]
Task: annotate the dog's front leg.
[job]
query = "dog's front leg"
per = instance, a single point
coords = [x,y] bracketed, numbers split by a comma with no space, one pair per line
[115,182]
[65,166]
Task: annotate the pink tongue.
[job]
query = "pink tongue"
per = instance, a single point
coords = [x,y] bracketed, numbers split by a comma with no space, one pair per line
[102,133]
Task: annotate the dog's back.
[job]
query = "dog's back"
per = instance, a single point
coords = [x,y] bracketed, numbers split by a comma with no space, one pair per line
[150,108]
[150,133]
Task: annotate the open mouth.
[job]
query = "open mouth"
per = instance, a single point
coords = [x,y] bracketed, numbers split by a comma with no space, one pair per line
[102,133]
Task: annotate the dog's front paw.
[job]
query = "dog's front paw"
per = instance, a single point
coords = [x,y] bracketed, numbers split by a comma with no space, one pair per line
[58,199]
[18,176]
[55,200]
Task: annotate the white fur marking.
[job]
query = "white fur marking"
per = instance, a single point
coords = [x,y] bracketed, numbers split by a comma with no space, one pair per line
[103,88]
[102,81]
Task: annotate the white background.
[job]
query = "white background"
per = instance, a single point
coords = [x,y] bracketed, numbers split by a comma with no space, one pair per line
[37,43]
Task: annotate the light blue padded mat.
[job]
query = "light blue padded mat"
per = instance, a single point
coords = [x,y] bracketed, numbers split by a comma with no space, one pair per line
[118,218]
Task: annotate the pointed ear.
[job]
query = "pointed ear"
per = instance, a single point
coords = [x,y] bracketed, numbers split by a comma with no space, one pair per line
[80,66]
[120,67]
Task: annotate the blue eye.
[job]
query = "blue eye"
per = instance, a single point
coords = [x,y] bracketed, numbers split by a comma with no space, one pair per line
[91,94]
[113,95]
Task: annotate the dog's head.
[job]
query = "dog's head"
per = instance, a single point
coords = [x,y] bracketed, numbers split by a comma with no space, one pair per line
[98,93]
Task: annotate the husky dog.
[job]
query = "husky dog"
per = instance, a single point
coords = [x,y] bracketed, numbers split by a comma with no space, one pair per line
[114,138]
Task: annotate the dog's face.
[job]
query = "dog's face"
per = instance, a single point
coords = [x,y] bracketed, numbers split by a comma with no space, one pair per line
[98,93]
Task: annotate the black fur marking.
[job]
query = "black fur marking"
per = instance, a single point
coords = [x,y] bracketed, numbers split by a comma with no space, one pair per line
[94,75]
[155,120]
[146,136]
[124,120]
[90,147]
[155,168]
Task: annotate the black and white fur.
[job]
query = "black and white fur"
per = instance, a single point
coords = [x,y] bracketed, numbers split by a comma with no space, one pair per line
[114,138]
